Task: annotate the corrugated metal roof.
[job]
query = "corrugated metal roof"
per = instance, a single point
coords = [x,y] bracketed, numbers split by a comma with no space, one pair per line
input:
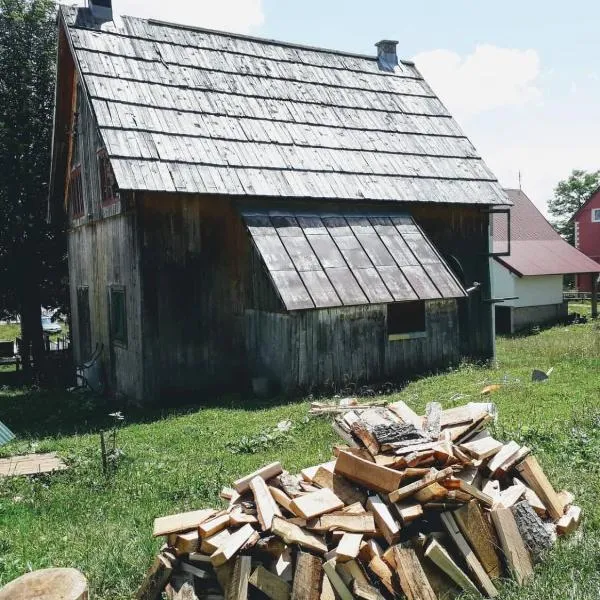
[6,435]
[535,248]
[320,260]
[198,111]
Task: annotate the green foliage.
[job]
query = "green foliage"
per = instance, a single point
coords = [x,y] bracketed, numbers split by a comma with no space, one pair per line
[177,460]
[32,252]
[569,196]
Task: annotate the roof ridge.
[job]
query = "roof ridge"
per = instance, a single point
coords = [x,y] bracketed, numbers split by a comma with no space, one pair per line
[259,39]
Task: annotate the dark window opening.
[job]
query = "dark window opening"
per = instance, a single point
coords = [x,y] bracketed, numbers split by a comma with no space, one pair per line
[83,318]
[406,318]
[108,183]
[76,194]
[118,314]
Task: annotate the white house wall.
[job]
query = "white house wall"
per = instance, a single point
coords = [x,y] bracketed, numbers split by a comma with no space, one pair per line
[535,290]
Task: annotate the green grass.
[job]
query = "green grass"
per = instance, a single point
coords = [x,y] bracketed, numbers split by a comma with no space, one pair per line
[179,459]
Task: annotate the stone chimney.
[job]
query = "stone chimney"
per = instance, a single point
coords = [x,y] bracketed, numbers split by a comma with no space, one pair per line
[101,10]
[387,55]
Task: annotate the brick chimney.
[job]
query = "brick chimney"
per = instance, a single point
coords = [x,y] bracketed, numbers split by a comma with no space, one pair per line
[387,55]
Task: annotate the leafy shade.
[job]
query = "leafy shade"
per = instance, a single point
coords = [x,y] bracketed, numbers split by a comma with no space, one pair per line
[32,253]
[569,196]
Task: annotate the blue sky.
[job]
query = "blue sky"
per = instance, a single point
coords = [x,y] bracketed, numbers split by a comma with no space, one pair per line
[522,78]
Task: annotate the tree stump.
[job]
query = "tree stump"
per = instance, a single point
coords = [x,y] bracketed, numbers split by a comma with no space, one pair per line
[47,584]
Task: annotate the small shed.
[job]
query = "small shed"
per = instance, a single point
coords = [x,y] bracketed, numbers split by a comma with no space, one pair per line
[531,276]
[587,238]
[241,208]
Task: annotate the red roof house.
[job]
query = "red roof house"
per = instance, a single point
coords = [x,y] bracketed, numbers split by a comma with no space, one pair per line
[587,235]
[531,277]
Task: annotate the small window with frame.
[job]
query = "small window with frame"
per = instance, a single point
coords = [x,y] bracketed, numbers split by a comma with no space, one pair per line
[595,215]
[406,320]
[108,184]
[118,314]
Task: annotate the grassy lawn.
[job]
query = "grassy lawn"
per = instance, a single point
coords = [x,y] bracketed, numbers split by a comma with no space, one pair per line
[177,460]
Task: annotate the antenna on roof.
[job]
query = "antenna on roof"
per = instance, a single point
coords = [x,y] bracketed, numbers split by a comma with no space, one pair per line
[520,189]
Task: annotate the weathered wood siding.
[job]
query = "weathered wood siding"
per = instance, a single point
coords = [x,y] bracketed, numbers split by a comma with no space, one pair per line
[104,251]
[330,348]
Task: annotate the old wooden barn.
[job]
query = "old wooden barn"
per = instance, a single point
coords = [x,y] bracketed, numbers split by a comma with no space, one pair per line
[241,209]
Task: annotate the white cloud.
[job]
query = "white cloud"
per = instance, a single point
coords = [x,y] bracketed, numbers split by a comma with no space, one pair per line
[241,16]
[489,78]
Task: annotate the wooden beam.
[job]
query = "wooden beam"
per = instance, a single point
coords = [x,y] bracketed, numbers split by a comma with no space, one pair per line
[307,577]
[367,474]
[515,552]
[410,489]
[209,545]
[181,522]
[440,556]
[266,507]
[336,581]
[214,525]
[475,566]
[530,470]
[237,588]
[267,472]
[363,523]
[413,581]
[479,533]
[507,452]
[269,584]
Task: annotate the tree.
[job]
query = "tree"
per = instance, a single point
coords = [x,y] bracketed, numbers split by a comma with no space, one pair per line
[32,252]
[569,196]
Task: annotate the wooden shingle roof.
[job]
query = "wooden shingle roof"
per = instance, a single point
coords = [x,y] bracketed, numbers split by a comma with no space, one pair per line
[198,111]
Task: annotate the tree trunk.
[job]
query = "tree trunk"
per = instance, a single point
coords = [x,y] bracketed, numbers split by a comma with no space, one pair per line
[31,325]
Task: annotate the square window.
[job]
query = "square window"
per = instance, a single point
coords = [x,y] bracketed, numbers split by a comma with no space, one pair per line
[406,320]
[595,215]
[118,314]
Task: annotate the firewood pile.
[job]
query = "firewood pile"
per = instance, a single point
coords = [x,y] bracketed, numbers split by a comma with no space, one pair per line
[418,507]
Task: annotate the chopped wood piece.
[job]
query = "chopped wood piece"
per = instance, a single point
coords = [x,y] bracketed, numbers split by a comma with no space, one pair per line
[265,505]
[507,453]
[269,584]
[370,475]
[491,488]
[530,470]
[365,435]
[440,556]
[224,574]
[413,581]
[292,534]
[383,573]
[566,498]
[469,489]
[470,474]
[186,542]
[181,587]
[327,592]
[154,582]
[347,492]
[242,537]
[409,511]
[267,472]
[364,523]
[209,545]
[569,521]
[394,433]
[479,533]
[406,414]
[365,592]
[360,452]
[51,584]
[432,493]
[349,547]
[369,550]
[482,448]
[290,484]
[509,463]
[237,588]
[309,473]
[460,437]
[283,565]
[351,571]
[316,503]
[536,536]
[474,565]
[432,423]
[354,509]
[533,500]
[307,577]
[417,448]
[336,581]
[281,498]
[511,495]
[195,570]
[214,525]
[515,552]
[383,519]
[237,518]
[412,488]
[181,522]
